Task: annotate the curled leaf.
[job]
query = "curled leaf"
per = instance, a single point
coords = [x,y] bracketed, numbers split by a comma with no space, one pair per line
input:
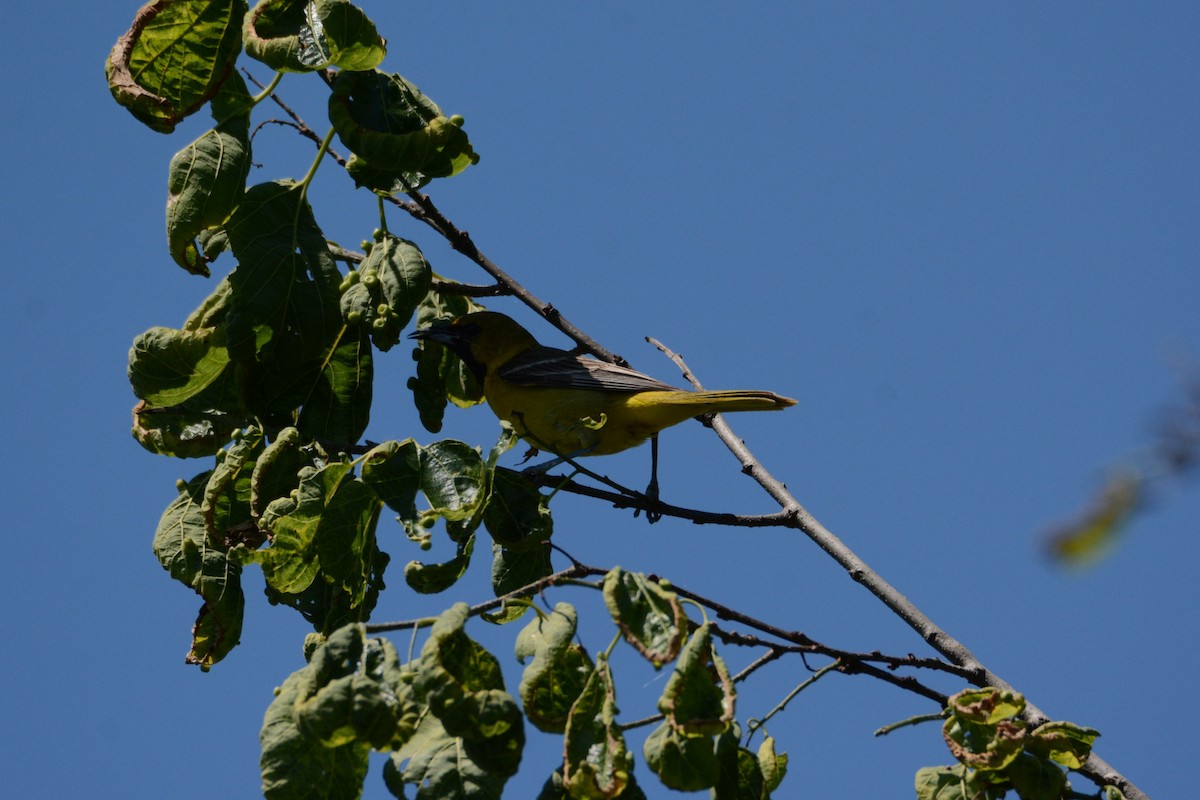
[174,57]
[400,137]
[307,35]
[649,616]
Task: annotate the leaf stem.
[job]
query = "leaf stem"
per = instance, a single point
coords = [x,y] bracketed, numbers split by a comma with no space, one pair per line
[266,92]
[312,170]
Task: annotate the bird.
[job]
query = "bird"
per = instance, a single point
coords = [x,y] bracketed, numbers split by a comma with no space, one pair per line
[571,404]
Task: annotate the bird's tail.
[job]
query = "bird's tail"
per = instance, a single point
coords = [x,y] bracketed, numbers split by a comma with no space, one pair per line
[743,400]
[698,403]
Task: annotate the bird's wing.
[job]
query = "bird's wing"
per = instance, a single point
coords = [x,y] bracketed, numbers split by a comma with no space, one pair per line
[551,367]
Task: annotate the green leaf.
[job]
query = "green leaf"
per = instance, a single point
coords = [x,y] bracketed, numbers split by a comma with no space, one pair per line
[184,548]
[454,479]
[955,783]
[518,518]
[302,36]
[560,668]
[986,706]
[395,279]
[435,578]
[326,527]
[699,696]
[743,775]
[393,471]
[463,685]
[1063,742]
[649,616]
[338,407]
[297,767]
[356,690]
[1036,778]
[518,514]
[346,537]
[193,399]
[772,765]
[290,563]
[206,179]
[1112,793]
[187,431]
[227,494]
[277,470]
[597,763]
[327,606]
[441,767]
[984,747]
[168,367]
[512,568]
[279,246]
[686,763]
[396,132]
[441,375]
[174,57]
[212,310]
[284,326]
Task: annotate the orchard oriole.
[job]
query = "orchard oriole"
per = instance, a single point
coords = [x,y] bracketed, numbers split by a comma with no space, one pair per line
[570,404]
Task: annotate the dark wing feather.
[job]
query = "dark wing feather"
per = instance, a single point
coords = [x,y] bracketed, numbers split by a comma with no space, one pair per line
[549,366]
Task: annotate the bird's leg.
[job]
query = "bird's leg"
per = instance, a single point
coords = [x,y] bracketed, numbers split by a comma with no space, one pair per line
[652,488]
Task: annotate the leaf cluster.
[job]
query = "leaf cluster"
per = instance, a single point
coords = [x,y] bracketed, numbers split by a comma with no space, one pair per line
[997,752]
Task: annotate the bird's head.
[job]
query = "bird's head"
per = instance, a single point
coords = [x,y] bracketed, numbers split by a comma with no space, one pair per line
[485,340]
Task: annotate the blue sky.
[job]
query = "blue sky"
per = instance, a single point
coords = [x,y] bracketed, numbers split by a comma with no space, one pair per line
[963,238]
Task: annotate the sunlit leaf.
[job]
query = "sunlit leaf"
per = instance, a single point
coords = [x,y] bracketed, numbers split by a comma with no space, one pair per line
[174,57]
[463,685]
[306,35]
[327,527]
[597,763]
[186,551]
[393,470]
[168,367]
[356,691]
[453,478]
[441,767]
[394,280]
[435,578]
[699,696]
[392,127]
[649,616]
[558,671]
[206,179]
[1063,742]
[986,706]
[772,765]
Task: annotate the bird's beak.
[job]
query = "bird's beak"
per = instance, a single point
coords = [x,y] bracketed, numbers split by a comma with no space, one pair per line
[439,331]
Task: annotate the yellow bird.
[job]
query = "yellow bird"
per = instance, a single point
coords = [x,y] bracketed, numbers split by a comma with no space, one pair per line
[570,404]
